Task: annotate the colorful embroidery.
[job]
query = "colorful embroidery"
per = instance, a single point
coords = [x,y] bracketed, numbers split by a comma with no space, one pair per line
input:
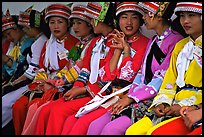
[126,72]
[83,76]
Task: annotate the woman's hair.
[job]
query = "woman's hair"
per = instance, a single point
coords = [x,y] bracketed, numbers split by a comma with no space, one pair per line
[175,24]
[15,19]
[110,15]
[44,27]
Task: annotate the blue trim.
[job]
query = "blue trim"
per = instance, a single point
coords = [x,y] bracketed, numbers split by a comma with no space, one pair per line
[138,79]
[155,83]
[35,65]
[83,77]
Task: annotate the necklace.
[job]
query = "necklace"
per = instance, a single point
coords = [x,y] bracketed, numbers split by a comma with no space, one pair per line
[61,41]
[133,38]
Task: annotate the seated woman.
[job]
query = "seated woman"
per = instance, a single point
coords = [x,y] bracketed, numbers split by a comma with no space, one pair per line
[52,59]
[82,28]
[182,84]
[18,47]
[132,107]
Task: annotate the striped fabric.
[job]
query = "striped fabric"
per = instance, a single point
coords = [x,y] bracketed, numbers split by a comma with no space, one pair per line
[57,10]
[80,12]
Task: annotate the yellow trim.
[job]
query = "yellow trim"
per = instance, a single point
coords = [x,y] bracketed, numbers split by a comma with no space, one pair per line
[141,127]
[41,76]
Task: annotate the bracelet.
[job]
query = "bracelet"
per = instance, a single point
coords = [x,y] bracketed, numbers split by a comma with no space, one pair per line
[196,106]
[126,53]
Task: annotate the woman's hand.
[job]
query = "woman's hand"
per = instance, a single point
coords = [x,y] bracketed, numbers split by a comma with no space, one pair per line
[186,109]
[72,93]
[173,110]
[120,104]
[118,40]
[159,110]
[191,117]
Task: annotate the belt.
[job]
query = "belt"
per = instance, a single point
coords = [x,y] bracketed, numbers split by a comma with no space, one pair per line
[188,86]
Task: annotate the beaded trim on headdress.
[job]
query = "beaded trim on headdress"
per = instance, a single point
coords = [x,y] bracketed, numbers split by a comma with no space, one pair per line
[128,6]
[7,21]
[189,6]
[150,6]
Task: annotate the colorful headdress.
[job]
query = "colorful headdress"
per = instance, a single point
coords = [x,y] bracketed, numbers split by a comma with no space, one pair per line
[57,10]
[189,6]
[80,12]
[157,8]
[98,10]
[128,6]
[7,21]
[30,17]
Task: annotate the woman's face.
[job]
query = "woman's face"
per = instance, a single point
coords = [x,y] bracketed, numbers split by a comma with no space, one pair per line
[28,31]
[191,23]
[81,28]
[150,21]
[58,27]
[12,35]
[97,28]
[129,23]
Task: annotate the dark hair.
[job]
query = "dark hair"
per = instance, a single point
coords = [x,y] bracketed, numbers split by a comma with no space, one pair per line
[175,24]
[169,12]
[15,19]
[32,18]
[44,27]
[71,21]
[110,15]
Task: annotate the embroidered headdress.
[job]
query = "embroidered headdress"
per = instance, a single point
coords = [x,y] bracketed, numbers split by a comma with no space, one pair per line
[30,17]
[98,10]
[80,12]
[157,8]
[7,21]
[128,6]
[162,9]
[57,10]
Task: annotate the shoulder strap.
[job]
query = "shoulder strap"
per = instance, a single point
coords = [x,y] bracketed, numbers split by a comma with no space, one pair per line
[158,54]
